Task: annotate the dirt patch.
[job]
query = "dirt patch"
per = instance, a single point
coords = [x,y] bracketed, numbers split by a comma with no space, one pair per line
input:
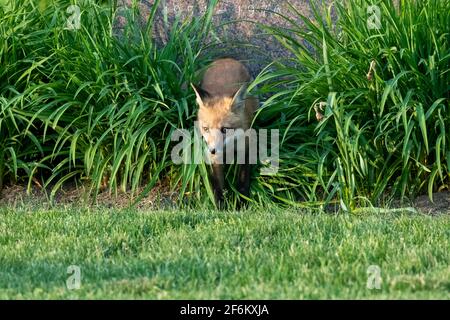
[160,197]
[439,204]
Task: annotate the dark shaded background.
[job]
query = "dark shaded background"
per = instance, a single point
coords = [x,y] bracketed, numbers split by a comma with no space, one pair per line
[242,40]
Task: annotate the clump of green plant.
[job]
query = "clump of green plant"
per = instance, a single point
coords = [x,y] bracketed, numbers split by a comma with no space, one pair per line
[362,105]
[376,76]
[98,103]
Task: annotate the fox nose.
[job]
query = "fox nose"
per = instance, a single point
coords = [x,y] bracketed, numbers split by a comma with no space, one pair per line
[213,151]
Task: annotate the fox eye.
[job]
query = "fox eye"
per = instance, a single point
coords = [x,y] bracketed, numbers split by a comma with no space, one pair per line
[224,129]
[206,129]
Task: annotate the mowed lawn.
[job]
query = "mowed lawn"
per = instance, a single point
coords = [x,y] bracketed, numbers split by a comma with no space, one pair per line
[221,255]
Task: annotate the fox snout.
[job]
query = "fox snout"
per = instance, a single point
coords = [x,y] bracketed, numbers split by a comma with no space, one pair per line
[220,142]
[214,141]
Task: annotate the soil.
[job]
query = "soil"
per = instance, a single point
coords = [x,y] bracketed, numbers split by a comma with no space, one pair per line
[159,198]
[440,203]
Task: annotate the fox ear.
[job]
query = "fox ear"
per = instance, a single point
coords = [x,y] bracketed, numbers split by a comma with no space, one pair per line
[239,96]
[200,94]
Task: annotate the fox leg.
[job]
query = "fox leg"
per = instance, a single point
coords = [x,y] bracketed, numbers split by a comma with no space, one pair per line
[217,179]
[243,184]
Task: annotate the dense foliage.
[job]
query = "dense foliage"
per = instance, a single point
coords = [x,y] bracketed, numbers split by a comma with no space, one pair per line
[98,105]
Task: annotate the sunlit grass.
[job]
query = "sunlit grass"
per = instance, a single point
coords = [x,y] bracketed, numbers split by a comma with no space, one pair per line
[207,254]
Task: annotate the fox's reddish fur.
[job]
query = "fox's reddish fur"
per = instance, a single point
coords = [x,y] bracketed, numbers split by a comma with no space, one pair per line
[223,104]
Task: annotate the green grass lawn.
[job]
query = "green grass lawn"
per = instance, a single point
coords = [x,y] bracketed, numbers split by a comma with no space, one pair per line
[250,255]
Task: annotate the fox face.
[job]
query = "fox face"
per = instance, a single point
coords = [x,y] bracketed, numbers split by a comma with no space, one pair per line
[219,117]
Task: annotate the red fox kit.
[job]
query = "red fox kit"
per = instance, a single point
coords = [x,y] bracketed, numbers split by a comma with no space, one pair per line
[223,105]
